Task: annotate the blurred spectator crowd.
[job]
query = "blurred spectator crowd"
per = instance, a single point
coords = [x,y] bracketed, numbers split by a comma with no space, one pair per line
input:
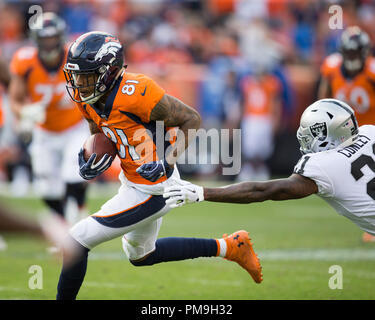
[207,52]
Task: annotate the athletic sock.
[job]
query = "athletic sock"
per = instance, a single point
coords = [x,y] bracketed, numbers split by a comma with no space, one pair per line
[222,245]
[56,205]
[72,276]
[77,191]
[175,249]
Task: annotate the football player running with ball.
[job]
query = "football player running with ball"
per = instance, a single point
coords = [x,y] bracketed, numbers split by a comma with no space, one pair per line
[39,100]
[126,107]
[338,164]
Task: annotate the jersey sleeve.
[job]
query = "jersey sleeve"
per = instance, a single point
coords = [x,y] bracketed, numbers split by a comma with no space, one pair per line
[308,166]
[22,61]
[329,64]
[371,69]
[146,95]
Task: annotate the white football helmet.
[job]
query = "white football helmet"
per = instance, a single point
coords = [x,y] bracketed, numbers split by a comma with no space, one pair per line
[325,125]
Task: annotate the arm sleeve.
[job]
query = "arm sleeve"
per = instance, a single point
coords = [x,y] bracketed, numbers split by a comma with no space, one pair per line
[308,166]
[21,61]
[147,94]
[325,70]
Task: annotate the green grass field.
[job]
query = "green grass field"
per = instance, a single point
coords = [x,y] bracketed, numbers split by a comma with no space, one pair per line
[297,242]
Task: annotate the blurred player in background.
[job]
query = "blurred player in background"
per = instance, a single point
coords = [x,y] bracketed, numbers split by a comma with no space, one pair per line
[349,76]
[260,119]
[4,83]
[122,106]
[51,228]
[39,99]
[338,164]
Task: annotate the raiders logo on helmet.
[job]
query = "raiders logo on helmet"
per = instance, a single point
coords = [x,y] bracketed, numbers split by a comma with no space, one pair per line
[319,130]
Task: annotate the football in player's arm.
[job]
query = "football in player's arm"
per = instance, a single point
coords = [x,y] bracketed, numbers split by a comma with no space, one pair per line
[335,153]
[174,113]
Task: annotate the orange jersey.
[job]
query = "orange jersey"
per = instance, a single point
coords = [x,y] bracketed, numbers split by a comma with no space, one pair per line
[126,121]
[259,95]
[358,92]
[46,87]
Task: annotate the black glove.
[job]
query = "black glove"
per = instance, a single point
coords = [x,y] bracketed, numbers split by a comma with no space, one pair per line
[154,170]
[90,170]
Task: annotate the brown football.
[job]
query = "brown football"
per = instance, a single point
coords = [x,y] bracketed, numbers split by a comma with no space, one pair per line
[99,143]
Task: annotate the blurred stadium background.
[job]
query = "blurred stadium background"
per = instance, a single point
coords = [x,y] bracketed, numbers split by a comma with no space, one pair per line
[202,52]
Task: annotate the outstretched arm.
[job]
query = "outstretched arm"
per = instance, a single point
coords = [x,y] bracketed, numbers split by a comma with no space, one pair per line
[294,187]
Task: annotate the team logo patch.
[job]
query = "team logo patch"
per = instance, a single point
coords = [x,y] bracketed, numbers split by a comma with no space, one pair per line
[319,130]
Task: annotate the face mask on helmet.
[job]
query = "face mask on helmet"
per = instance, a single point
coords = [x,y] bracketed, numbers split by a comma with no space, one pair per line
[88,86]
[50,49]
[354,47]
[353,61]
[50,38]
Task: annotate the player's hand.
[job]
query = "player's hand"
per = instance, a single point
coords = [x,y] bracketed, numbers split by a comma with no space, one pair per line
[90,170]
[35,112]
[31,114]
[154,170]
[183,193]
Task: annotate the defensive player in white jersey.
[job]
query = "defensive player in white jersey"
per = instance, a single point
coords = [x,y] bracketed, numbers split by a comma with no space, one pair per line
[338,164]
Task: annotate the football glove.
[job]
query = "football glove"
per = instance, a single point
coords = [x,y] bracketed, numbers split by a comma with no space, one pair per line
[154,170]
[31,114]
[90,170]
[184,193]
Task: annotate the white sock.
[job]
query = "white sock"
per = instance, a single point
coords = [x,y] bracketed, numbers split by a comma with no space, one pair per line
[223,247]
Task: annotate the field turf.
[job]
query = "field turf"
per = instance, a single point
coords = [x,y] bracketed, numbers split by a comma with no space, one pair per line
[297,241]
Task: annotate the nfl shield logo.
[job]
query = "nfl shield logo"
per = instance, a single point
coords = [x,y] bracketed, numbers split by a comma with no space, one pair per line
[319,130]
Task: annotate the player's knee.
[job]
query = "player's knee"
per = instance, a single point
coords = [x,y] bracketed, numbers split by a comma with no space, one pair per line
[136,253]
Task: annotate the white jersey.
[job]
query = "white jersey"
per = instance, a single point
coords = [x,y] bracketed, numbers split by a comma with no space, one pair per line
[346,178]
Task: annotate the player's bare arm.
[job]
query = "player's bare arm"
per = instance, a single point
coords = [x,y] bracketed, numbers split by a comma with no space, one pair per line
[324,90]
[175,113]
[17,93]
[294,187]
[4,74]
[93,127]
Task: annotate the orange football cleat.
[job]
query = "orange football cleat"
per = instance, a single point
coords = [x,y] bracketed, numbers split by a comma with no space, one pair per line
[366,237]
[240,250]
